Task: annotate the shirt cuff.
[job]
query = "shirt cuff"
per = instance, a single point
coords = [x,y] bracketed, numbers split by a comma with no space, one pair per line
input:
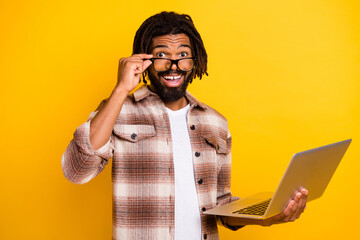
[222,221]
[104,149]
[82,139]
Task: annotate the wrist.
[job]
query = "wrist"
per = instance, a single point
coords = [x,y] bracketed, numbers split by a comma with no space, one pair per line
[120,91]
[234,221]
[265,222]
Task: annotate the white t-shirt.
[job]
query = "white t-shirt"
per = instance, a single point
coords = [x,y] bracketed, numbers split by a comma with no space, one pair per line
[187,213]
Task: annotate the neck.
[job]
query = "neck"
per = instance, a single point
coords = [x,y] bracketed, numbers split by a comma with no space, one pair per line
[177,105]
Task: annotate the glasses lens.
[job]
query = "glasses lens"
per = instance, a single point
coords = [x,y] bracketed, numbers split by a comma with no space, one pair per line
[186,64]
[162,65]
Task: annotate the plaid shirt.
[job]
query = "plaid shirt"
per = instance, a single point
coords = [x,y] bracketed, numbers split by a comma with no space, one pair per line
[143,168]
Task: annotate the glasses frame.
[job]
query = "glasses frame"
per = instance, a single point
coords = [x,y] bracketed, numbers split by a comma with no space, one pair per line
[173,61]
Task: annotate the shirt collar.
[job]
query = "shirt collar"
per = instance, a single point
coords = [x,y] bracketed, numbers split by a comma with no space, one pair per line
[144,92]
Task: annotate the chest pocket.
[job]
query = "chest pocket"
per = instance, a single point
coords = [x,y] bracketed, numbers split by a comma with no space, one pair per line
[134,133]
[218,143]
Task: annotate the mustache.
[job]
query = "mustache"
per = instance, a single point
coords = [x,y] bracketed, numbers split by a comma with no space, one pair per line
[168,72]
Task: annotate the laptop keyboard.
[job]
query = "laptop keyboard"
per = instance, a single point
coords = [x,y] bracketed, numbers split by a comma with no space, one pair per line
[256,209]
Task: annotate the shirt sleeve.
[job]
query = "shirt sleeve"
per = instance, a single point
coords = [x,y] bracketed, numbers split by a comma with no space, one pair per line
[80,162]
[224,182]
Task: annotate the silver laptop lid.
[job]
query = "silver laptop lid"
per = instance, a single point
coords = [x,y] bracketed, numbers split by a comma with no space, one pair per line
[310,169]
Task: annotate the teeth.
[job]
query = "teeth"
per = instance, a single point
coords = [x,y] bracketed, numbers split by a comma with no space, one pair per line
[172,77]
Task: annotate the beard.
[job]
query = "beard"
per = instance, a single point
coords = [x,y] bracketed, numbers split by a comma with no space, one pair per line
[169,94]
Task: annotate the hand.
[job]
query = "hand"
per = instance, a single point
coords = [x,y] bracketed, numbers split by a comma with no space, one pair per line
[295,207]
[130,70]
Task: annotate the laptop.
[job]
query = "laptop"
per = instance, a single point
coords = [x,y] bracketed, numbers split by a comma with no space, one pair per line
[311,169]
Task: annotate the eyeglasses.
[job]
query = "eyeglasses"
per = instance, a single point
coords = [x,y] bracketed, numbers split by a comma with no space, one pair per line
[164,64]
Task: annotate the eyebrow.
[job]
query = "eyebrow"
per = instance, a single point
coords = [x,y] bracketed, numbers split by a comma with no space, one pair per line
[165,46]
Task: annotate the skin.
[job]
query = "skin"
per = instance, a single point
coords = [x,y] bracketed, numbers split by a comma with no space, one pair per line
[129,73]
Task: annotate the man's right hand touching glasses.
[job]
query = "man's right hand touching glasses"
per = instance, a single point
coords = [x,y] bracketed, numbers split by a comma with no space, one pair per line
[130,70]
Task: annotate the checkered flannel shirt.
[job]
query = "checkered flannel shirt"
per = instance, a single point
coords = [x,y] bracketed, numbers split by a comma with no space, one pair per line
[143,168]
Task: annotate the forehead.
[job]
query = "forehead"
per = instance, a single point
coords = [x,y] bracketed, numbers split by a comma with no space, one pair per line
[173,40]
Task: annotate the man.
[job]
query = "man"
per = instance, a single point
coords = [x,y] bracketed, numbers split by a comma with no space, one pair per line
[171,153]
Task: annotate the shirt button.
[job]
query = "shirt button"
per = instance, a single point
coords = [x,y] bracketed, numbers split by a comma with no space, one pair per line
[197,154]
[203,209]
[133,136]
[200,181]
[192,127]
[205,236]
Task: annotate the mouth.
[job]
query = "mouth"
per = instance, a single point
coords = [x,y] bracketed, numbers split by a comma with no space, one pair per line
[172,80]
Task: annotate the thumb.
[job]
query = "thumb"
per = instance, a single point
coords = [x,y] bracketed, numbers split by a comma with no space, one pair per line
[146,64]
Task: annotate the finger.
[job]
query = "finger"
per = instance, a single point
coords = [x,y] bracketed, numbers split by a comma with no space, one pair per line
[135,60]
[130,63]
[297,214]
[146,64]
[141,67]
[304,191]
[299,206]
[289,211]
[302,202]
[303,199]
[143,56]
[138,68]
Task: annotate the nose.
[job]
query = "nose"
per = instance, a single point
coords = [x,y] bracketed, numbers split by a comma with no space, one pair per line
[173,66]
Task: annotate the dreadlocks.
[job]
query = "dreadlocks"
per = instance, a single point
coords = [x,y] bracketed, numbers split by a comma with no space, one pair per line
[165,23]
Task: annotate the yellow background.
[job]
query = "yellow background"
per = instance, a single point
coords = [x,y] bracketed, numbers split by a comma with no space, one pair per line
[285,73]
